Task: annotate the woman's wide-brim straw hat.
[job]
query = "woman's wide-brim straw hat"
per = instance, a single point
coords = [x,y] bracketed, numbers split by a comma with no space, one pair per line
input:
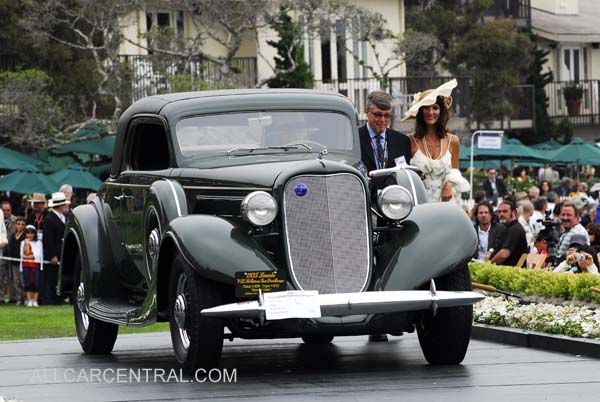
[429,97]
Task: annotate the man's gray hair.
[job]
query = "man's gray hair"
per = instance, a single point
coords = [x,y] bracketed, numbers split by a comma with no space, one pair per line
[379,98]
[66,187]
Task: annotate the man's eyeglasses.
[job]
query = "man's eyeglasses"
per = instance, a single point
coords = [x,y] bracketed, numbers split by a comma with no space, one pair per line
[377,115]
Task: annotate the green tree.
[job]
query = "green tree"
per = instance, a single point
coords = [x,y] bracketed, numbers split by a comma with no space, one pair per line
[497,57]
[544,127]
[292,71]
[31,116]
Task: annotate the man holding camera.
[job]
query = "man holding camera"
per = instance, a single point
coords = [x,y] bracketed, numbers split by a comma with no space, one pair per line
[569,216]
[581,258]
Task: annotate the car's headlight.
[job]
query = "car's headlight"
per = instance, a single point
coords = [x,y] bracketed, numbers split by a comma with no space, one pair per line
[395,202]
[259,208]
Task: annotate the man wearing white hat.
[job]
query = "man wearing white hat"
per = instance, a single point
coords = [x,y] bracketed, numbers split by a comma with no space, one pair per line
[54,228]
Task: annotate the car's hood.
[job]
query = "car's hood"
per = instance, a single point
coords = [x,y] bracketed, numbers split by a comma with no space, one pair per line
[258,171]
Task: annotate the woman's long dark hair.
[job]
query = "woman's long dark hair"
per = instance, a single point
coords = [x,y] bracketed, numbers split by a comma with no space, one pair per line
[440,126]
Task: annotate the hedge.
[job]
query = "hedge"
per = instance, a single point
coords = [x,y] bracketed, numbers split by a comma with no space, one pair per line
[536,282]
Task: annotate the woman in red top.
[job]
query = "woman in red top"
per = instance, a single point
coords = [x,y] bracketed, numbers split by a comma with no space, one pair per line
[32,255]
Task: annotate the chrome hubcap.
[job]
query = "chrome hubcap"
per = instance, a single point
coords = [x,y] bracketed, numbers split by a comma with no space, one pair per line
[85,320]
[180,309]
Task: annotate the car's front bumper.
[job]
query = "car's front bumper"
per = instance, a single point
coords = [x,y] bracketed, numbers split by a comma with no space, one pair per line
[344,304]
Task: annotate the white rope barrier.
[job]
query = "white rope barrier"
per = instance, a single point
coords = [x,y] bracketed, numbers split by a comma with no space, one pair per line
[20,259]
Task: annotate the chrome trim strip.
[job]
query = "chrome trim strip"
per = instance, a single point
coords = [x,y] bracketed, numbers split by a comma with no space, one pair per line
[128,185]
[220,197]
[412,187]
[267,189]
[175,196]
[342,304]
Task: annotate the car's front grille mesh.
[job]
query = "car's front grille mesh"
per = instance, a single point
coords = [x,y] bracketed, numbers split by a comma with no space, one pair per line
[327,234]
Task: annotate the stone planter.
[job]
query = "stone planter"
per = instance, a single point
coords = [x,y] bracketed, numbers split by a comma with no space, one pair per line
[573,106]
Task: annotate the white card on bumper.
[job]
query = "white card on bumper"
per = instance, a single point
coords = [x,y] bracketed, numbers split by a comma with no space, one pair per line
[292,304]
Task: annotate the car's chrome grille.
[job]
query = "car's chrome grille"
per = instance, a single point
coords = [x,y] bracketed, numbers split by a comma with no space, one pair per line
[327,233]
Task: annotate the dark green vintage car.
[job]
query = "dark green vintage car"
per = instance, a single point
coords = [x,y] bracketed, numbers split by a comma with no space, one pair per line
[247,210]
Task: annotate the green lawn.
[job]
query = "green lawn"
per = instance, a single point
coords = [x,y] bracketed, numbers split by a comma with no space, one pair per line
[18,322]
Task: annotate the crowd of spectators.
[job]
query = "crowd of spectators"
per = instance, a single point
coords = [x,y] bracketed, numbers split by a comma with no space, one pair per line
[555,217]
[30,247]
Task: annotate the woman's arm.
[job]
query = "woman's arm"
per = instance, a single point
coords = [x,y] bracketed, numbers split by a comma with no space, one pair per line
[454,150]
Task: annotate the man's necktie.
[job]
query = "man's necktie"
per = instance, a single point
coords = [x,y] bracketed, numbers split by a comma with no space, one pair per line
[380,151]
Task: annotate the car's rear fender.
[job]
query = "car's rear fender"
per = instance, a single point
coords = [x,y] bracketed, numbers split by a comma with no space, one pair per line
[436,238]
[87,233]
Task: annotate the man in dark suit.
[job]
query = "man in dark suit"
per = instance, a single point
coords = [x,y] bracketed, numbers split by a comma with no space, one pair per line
[54,228]
[493,186]
[489,232]
[380,146]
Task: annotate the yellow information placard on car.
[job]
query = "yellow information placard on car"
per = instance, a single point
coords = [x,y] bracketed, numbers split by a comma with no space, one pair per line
[248,283]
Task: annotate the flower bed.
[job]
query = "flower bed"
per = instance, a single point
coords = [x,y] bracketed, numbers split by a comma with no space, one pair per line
[542,317]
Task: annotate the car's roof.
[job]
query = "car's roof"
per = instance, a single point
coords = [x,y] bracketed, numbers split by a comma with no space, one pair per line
[152,103]
[177,105]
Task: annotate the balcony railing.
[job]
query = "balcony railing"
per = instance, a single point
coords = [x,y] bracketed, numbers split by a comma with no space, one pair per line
[517,10]
[587,113]
[150,75]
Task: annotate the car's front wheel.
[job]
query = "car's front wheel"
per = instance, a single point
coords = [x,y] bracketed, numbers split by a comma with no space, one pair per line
[444,338]
[197,340]
[95,336]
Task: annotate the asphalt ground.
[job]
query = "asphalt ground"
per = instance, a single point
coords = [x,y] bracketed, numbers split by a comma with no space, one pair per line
[349,369]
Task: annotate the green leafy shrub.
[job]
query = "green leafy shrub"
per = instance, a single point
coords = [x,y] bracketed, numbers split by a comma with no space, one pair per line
[536,282]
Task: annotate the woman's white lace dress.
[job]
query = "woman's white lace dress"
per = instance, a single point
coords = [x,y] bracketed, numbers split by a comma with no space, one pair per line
[437,172]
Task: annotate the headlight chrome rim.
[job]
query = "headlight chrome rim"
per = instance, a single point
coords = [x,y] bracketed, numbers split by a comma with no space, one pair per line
[395,202]
[259,208]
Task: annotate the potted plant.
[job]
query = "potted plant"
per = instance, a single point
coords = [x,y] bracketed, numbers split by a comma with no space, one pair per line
[573,92]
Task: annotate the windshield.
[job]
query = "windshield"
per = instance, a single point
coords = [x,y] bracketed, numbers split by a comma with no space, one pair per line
[256,131]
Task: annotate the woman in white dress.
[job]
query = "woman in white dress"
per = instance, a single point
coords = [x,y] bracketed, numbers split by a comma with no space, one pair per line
[434,150]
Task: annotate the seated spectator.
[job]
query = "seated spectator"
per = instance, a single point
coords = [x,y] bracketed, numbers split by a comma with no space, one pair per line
[534,193]
[513,242]
[581,258]
[593,230]
[569,217]
[582,203]
[582,189]
[488,231]
[525,211]
[565,187]
[540,205]
[545,187]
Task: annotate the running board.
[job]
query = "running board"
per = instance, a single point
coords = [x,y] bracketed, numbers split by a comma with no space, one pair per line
[342,304]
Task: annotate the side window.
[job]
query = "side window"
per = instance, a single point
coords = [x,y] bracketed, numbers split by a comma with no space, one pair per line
[149,148]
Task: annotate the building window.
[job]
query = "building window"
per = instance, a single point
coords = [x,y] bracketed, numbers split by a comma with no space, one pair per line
[340,33]
[326,55]
[571,64]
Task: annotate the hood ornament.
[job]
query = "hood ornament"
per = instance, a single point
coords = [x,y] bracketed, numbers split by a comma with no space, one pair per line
[322,153]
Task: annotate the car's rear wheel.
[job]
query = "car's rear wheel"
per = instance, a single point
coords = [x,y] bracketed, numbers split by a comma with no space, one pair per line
[317,339]
[445,338]
[95,336]
[197,340]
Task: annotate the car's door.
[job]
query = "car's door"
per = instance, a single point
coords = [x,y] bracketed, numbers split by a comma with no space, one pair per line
[148,159]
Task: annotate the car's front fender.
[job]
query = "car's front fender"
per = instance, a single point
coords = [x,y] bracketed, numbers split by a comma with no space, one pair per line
[216,248]
[436,238]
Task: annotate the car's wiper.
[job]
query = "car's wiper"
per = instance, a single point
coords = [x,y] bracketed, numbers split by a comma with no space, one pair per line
[282,147]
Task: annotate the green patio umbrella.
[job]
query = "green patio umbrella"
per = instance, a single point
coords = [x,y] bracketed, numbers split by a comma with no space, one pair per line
[577,151]
[512,149]
[547,145]
[78,177]
[99,146]
[12,160]
[28,180]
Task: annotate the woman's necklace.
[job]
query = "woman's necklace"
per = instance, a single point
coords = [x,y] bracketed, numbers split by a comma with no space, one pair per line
[427,149]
